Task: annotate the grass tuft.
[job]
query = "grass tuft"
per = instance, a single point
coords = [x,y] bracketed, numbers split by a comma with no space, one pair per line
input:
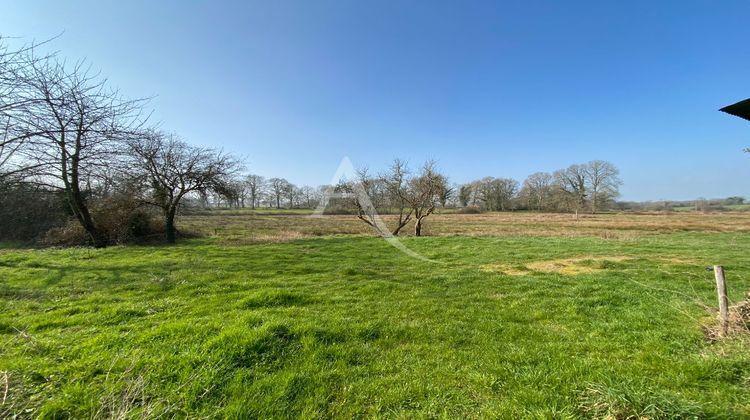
[628,401]
[275,298]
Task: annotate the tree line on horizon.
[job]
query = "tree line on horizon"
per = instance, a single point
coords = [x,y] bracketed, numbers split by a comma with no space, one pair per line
[413,196]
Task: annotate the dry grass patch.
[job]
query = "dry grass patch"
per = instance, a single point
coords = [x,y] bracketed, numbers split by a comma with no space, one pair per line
[564,266]
[739,321]
[505,269]
[234,225]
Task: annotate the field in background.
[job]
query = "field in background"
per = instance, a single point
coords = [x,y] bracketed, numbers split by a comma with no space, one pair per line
[281,315]
[248,226]
[725,207]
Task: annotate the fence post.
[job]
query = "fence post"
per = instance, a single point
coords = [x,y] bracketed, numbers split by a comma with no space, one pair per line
[721,289]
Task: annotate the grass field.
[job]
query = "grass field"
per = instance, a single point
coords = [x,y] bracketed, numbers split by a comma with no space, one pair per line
[268,315]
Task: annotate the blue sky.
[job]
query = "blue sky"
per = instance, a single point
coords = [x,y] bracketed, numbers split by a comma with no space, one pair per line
[486,88]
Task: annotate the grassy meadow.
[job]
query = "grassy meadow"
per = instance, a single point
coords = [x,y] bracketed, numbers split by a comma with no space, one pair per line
[274,315]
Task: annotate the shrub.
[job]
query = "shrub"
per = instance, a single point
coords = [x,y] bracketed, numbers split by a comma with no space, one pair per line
[124,217]
[469,210]
[70,234]
[123,223]
[28,211]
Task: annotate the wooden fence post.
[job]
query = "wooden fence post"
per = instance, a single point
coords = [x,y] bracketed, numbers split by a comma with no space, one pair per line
[721,289]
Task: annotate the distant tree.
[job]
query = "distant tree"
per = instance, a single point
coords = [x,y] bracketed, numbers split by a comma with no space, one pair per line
[537,190]
[232,192]
[571,185]
[497,193]
[291,192]
[277,189]
[175,169]
[464,195]
[734,200]
[471,193]
[241,192]
[446,195]
[603,182]
[322,196]
[309,196]
[255,188]
[702,205]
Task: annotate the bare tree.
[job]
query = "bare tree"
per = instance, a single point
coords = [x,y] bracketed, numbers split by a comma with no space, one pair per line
[604,182]
[571,186]
[241,192]
[360,192]
[397,190]
[497,193]
[176,169]
[424,193]
[412,198]
[255,188]
[16,99]
[73,125]
[278,187]
[231,191]
[291,192]
[537,189]
[308,195]
[464,195]
[470,194]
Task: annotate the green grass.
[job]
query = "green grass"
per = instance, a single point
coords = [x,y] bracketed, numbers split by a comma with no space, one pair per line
[347,326]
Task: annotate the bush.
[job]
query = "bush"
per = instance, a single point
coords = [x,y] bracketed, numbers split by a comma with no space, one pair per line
[125,220]
[469,210]
[32,213]
[28,211]
[143,224]
[120,226]
[71,234]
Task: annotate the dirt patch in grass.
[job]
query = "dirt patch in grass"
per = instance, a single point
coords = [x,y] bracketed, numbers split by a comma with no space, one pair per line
[564,266]
[676,260]
[505,269]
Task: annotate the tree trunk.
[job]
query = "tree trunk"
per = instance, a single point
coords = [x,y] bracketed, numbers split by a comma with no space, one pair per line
[402,221]
[593,202]
[169,225]
[78,202]
[418,227]
[80,210]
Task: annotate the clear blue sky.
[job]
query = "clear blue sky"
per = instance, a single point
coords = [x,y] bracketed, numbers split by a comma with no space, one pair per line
[486,88]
